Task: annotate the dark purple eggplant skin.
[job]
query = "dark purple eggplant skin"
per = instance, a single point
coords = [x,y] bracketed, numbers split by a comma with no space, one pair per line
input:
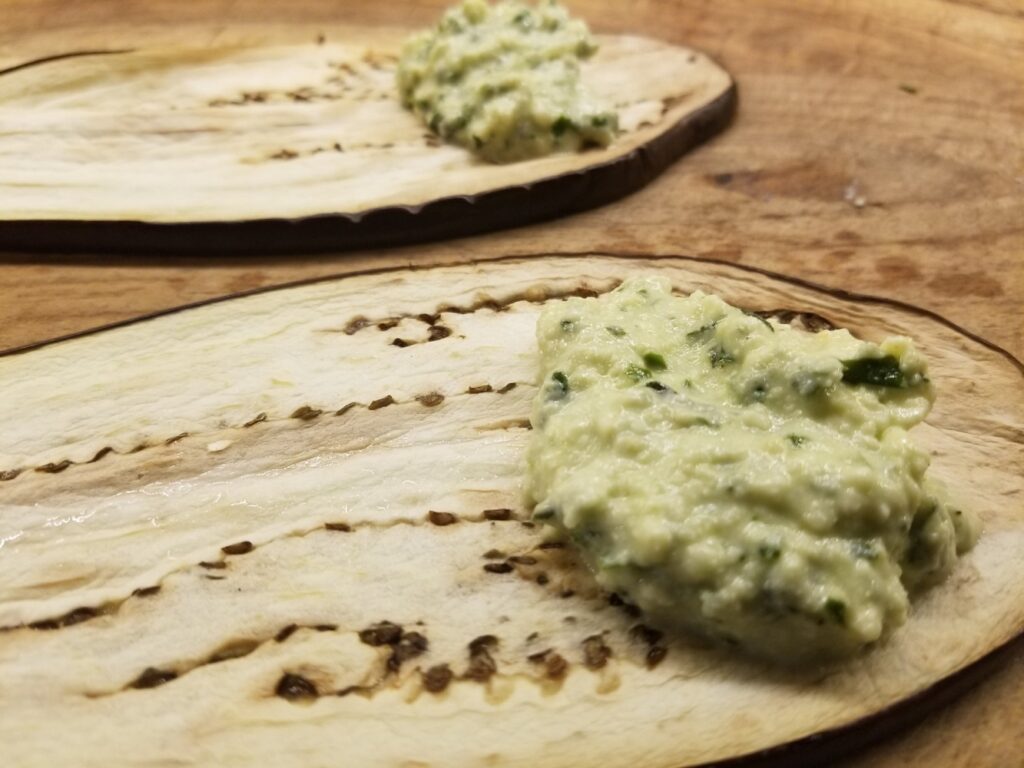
[828,748]
[441,219]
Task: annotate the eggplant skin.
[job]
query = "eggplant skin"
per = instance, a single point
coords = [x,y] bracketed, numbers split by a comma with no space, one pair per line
[469,197]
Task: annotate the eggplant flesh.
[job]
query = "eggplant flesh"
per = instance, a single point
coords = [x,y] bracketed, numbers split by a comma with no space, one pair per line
[180,147]
[286,526]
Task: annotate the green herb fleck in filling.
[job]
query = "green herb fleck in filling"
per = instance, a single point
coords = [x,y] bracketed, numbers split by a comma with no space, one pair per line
[876,371]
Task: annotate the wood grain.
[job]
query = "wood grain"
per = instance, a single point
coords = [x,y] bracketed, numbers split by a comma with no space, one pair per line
[878,149]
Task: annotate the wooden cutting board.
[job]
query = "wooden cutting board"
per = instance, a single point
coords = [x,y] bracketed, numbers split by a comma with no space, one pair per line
[878,149]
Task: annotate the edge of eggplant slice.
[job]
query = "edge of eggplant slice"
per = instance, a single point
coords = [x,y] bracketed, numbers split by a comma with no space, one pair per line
[839,293]
[444,218]
[848,741]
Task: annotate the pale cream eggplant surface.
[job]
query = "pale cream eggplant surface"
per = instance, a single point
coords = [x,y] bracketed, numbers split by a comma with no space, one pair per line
[221,135]
[206,519]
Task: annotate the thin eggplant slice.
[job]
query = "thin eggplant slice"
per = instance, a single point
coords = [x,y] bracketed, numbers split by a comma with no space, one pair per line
[305,146]
[288,526]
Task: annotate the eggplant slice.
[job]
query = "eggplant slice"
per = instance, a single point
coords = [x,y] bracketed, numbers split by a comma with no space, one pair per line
[287,529]
[306,146]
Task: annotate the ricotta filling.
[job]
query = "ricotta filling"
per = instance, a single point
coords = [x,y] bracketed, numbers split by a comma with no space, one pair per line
[738,477]
[504,81]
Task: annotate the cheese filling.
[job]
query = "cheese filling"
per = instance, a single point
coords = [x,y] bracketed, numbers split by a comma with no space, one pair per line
[737,476]
[504,81]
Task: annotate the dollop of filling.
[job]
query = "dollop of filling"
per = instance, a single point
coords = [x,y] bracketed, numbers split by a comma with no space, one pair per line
[736,476]
[504,81]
